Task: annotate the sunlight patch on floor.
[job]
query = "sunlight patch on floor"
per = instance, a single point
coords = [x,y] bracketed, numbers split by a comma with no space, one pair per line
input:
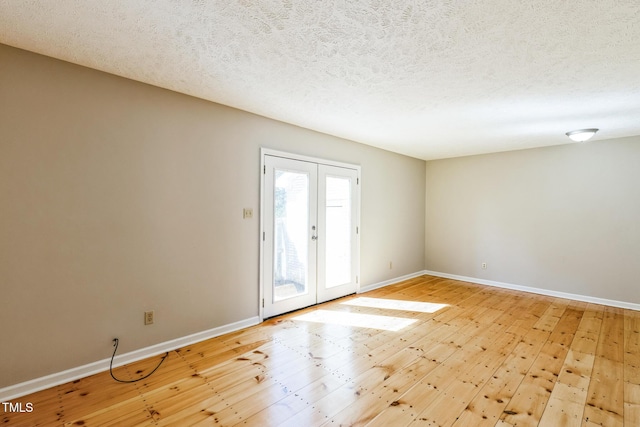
[373,321]
[396,304]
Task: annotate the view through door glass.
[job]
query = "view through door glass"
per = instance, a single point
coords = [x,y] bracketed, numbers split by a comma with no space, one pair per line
[289,243]
[338,231]
[337,235]
[291,225]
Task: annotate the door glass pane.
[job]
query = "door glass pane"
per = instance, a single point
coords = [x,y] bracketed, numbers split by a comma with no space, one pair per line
[291,229]
[338,232]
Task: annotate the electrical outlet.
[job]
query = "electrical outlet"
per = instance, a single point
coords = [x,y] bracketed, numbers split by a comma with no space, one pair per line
[484,265]
[148,317]
[247,213]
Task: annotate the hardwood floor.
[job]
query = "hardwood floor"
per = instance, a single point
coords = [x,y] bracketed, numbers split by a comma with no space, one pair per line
[489,357]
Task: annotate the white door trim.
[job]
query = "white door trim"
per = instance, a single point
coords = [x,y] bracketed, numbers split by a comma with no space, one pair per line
[276,153]
[294,156]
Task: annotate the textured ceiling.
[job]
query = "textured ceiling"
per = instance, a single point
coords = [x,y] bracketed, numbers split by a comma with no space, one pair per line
[430,79]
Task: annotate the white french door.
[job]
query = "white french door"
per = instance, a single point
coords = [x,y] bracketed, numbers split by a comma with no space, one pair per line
[310,251]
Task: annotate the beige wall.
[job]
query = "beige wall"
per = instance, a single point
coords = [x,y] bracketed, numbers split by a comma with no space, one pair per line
[118,197]
[563,218]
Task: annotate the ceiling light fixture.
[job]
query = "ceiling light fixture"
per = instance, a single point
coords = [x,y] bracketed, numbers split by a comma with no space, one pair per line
[581,135]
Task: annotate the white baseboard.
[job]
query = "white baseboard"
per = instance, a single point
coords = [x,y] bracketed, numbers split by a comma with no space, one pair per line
[390,282]
[37,384]
[540,291]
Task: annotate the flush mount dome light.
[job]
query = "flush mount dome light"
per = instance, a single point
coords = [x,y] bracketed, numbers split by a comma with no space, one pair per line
[581,135]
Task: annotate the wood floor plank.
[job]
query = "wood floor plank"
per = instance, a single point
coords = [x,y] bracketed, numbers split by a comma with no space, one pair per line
[605,402]
[412,363]
[489,403]
[303,398]
[366,408]
[486,357]
[568,398]
[455,399]
[430,388]
[530,400]
[631,368]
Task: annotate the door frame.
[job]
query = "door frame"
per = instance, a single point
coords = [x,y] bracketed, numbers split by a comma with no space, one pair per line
[287,155]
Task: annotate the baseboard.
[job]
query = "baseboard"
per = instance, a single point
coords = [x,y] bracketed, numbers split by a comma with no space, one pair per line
[540,291]
[390,282]
[37,384]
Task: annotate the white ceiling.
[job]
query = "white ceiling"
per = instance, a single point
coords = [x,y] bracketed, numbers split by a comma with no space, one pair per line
[426,78]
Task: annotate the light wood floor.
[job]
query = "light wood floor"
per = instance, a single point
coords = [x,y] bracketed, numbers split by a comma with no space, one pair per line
[491,357]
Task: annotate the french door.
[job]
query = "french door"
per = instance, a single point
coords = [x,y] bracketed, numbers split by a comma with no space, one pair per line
[310,251]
